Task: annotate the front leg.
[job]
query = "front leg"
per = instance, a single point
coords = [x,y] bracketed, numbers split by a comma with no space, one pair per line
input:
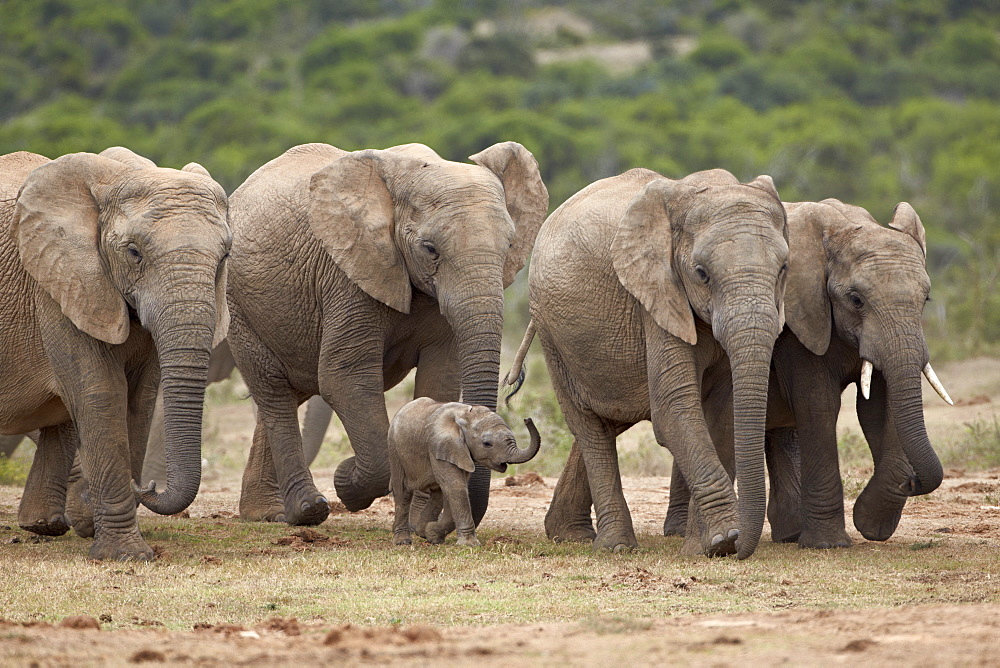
[402,496]
[784,505]
[879,508]
[457,513]
[674,370]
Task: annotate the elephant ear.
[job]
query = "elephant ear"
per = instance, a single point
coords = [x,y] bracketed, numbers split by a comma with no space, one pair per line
[526,197]
[807,302]
[196,168]
[57,233]
[449,442]
[128,157]
[351,212]
[905,219]
[642,256]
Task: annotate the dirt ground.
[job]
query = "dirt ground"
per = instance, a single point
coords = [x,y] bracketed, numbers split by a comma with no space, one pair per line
[956,620]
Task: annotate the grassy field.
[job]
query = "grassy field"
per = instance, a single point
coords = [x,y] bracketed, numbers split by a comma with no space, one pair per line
[225,591]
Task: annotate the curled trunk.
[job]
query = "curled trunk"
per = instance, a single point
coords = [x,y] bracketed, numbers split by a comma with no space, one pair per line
[518,456]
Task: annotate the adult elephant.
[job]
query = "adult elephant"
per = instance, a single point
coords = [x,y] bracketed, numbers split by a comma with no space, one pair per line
[349,270]
[855,297]
[640,287]
[114,280]
[221,365]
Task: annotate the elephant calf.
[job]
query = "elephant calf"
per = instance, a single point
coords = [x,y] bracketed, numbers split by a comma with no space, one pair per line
[434,447]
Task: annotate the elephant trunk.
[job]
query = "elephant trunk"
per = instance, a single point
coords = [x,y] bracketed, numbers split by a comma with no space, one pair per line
[474,309]
[183,334]
[748,336]
[518,456]
[906,405]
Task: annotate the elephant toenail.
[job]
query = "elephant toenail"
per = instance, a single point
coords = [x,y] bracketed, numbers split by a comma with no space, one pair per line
[734,534]
[717,539]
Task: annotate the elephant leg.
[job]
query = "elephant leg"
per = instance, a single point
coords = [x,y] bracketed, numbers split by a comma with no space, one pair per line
[426,514]
[879,508]
[569,517]
[314,426]
[105,458]
[43,503]
[784,506]
[260,498]
[351,381]
[79,507]
[402,496]
[154,465]
[822,495]
[438,530]
[679,423]
[675,523]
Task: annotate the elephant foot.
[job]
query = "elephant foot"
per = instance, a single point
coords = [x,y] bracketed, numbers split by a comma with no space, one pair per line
[436,533]
[79,510]
[675,523]
[620,540]
[308,509]
[353,494]
[720,540]
[562,527]
[877,512]
[402,539]
[468,541]
[117,547]
[824,539]
[53,526]
[272,512]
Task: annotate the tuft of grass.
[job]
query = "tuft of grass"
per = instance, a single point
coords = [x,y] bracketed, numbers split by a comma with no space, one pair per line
[854,451]
[978,448]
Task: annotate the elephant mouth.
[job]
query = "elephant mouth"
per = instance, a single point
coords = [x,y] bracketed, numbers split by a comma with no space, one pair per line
[500,468]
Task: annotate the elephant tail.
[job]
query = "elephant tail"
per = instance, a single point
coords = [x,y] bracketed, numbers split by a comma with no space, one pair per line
[515,376]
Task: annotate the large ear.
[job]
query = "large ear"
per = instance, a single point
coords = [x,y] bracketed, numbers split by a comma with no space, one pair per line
[526,196]
[57,233]
[128,157]
[807,302]
[642,255]
[449,441]
[905,219]
[351,212]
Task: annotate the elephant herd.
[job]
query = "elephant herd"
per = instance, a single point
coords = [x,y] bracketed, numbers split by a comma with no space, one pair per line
[729,319]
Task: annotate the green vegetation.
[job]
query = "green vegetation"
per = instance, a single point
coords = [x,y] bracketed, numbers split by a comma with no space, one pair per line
[872,103]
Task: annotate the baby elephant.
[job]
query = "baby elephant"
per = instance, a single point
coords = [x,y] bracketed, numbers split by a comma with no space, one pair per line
[434,447]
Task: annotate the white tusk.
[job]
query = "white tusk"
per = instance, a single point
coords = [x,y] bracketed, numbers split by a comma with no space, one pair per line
[866,378]
[936,384]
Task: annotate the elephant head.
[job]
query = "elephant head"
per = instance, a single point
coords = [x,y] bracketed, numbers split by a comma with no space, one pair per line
[720,255]
[119,243]
[464,435]
[868,284]
[404,219]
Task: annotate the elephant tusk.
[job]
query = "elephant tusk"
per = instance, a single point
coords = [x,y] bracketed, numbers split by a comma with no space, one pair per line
[866,378]
[936,384]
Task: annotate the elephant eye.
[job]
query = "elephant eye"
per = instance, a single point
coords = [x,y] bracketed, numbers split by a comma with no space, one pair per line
[431,250]
[134,253]
[487,444]
[856,300]
[784,268]
[701,274]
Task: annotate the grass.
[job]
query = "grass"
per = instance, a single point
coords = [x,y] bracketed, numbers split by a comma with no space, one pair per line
[14,471]
[976,448]
[224,571]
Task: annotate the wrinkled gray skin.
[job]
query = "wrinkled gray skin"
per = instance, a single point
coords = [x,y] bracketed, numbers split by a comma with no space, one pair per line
[221,365]
[434,447]
[855,290]
[640,287]
[349,270]
[113,281]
